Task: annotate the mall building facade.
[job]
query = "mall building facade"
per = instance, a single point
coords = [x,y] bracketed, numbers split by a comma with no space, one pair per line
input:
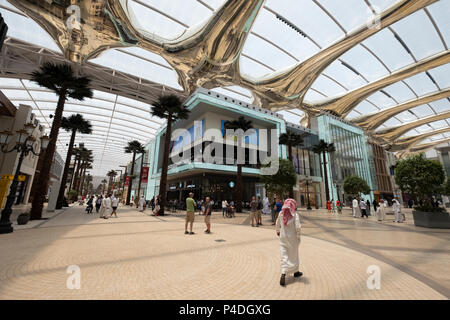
[354,155]
[192,173]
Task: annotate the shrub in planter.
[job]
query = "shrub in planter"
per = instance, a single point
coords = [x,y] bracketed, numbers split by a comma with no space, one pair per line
[23,218]
[72,195]
[421,178]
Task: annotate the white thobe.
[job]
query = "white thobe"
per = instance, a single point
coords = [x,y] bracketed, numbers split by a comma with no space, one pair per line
[141,204]
[355,205]
[381,211]
[266,207]
[289,242]
[397,214]
[106,204]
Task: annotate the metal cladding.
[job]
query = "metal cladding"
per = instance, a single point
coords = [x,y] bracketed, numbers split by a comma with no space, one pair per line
[207,55]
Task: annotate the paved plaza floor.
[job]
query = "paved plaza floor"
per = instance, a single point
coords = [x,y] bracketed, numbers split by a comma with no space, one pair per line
[138,256]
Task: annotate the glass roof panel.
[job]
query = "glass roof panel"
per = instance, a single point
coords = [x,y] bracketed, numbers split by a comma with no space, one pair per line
[8,82]
[328,86]
[344,75]
[406,116]
[441,105]
[389,50]
[276,31]
[419,34]
[259,49]
[423,111]
[439,10]
[421,84]
[365,107]
[381,5]
[153,22]
[441,75]
[400,92]
[133,65]
[392,122]
[354,14]
[252,68]
[310,19]
[381,100]
[366,64]
[21,30]
[439,124]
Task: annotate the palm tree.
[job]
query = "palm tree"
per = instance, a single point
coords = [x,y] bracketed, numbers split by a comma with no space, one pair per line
[75,123]
[60,79]
[111,174]
[76,168]
[323,148]
[290,139]
[104,181]
[133,147]
[240,123]
[169,108]
[85,159]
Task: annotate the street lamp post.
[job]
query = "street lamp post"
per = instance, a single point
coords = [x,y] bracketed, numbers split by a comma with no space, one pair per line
[120,179]
[124,179]
[24,146]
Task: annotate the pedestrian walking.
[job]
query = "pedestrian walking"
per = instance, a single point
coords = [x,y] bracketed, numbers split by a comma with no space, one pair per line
[397,211]
[106,206]
[381,210]
[98,203]
[339,206]
[363,207]
[368,207]
[208,212]
[141,203]
[288,229]
[278,206]
[190,213]
[355,206]
[90,205]
[253,212]
[114,204]
[224,208]
[259,212]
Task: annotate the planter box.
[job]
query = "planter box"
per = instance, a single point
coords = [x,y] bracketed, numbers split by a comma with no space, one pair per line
[431,219]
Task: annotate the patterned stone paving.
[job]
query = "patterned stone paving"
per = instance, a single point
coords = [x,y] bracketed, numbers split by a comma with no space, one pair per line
[138,256]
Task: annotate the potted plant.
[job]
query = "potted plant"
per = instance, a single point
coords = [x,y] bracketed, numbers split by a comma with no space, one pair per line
[23,218]
[422,178]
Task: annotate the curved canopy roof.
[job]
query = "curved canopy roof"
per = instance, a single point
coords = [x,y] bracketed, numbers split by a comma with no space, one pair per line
[389,71]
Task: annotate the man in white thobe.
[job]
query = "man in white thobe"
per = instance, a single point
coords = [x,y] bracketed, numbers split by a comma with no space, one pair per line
[141,203]
[106,204]
[355,205]
[266,206]
[381,210]
[397,211]
[288,229]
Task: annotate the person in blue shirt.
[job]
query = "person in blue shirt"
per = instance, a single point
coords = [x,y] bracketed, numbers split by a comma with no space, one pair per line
[277,207]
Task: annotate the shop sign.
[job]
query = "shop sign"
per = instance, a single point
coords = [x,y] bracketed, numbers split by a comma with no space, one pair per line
[144,174]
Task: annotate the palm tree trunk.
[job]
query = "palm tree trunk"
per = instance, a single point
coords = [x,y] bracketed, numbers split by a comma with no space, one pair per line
[327,194]
[77,173]
[238,194]
[79,178]
[163,181]
[62,187]
[291,192]
[44,175]
[83,177]
[131,179]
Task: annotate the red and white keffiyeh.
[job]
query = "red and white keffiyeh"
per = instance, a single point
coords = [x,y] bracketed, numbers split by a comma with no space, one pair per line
[289,209]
